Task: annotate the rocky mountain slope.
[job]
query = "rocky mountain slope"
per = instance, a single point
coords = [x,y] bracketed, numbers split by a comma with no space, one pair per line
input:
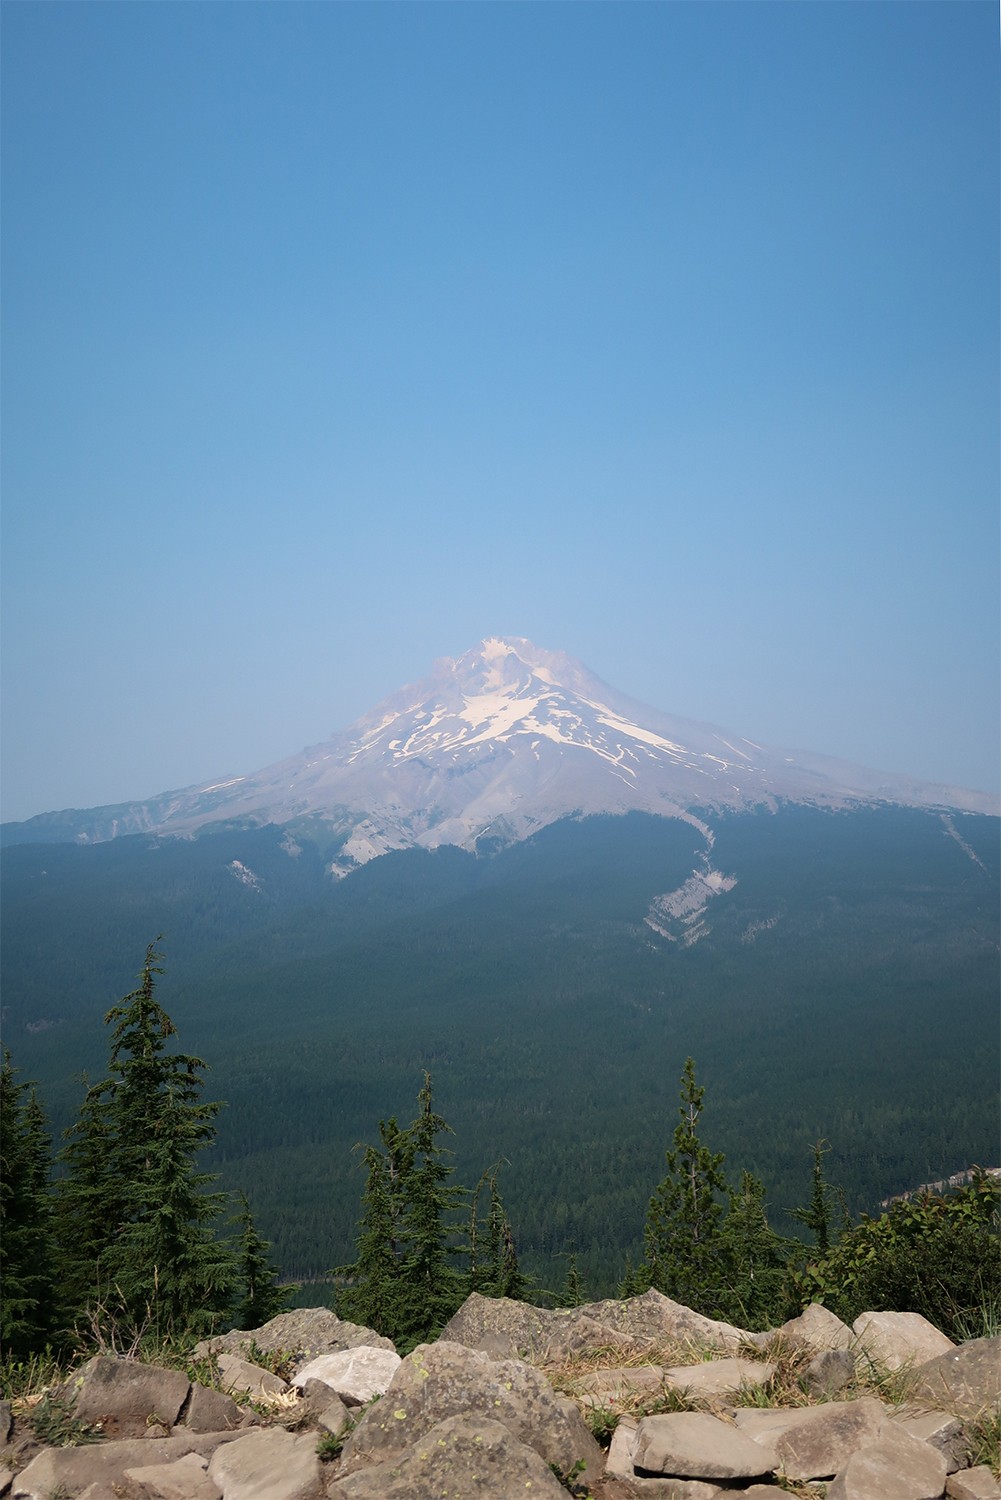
[511,1401]
[490,748]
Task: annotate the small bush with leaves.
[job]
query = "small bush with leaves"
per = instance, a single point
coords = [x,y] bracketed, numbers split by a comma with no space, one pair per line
[53,1423]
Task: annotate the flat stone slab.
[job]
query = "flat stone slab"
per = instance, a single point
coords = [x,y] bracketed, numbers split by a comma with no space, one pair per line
[896,1467]
[604,1387]
[938,1428]
[356,1374]
[973,1484]
[73,1470]
[240,1376]
[125,1395]
[895,1340]
[268,1464]
[815,1442]
[184,1479]
[695,1445]
[715,1376]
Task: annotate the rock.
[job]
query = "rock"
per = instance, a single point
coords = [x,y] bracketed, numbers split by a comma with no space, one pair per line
[896,1339]
[509,1326]
[184,1479]
[606,1387]
[72,1470]
[574,1333]
[466,1456]
[973,1484]
[211,1411]
[324,1408]
[829,1372]
[6,1475]
[714,1376]
[125,1396]
[654,1319]
[695,1445]
[963,1381]
[619,1467]
[895,1467]
[6,1422]
[816,1328]
[268,1464]
[814,1442]
[311,1330]
[236,1374]
[444,1380]
[938,1428]
[356,1375]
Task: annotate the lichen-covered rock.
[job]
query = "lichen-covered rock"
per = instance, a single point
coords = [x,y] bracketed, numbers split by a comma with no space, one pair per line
[311,1330]
[653,1318]
[508,1326]
[468,1457]
[444,1380]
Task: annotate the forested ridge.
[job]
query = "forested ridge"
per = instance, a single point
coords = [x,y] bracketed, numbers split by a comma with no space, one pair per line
[848,979]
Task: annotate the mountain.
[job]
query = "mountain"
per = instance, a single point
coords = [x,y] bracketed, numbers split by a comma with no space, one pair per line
[490,748]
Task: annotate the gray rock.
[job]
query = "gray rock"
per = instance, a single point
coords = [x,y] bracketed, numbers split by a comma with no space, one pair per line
[573,1333]
[695,1445]
[619,1467]
[508,1326]
[239,1375]
[324,1408]
[894,1340]
[829,1372]
[356,1375]
[816,1328]
[309,1330]
[973,1484]
[654,1319]
[6,1422]
[125,1396]
[72,1470]
[210,1411]
[938,1428]
[963,1381]
[468,1456]
[268,1464]
[444,1380]
[814,1442]
[895,1467]
[6,1475]
[713,1377]
[184,1479]
[607,1387]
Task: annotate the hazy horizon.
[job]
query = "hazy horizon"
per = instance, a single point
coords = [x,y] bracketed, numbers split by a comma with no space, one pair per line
[339,337]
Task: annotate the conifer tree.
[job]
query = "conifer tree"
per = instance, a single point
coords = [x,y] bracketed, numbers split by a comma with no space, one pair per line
[817,1215]
[148,1218]
[261,1298]
[432,1286]
[683,1223]
[754,1260]
[27,1288]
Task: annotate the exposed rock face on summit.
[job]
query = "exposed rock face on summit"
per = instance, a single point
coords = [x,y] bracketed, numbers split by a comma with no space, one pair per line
[493,746]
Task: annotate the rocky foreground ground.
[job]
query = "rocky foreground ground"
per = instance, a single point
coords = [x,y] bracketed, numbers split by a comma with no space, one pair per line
[511,1401]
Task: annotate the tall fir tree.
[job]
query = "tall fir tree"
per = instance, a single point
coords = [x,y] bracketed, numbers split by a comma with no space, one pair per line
[260,1298]
[684,1253]
[754,1261]
[28,1286]
[131,1171]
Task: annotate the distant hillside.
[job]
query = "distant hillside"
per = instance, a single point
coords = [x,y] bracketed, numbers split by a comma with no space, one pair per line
[833,973]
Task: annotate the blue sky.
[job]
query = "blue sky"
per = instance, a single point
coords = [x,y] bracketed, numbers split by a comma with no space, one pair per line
[338,336]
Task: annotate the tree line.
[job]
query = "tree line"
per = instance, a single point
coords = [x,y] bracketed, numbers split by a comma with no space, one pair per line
[131,1232]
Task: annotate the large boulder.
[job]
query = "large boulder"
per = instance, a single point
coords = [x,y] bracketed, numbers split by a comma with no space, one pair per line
[445,1380]
[896,1467]
[815,1442]
[356,1375]
[963,1381]
[71,1471]
[896,1339]
[653,1318]
[470,1457]
[306,1330]
[240,1376]
[816,1329]
[184,1479]
[124,1396]
[499,1326]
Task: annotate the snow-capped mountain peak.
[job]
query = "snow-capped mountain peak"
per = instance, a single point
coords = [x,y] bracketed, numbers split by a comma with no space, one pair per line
[499,742]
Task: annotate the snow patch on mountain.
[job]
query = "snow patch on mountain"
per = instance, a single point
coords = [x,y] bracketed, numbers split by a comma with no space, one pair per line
[679,915]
